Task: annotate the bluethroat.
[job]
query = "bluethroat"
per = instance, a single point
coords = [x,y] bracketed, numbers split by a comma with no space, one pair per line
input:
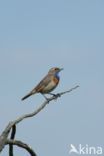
[47,84]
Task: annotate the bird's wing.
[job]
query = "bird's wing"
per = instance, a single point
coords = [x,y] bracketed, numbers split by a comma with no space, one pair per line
[43,83]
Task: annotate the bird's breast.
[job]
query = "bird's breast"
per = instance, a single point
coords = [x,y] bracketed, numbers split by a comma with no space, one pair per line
[52,84]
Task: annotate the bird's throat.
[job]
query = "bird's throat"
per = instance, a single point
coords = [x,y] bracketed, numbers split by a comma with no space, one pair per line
[57,76]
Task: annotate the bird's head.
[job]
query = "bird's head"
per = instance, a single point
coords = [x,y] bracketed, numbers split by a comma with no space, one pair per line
[55,70]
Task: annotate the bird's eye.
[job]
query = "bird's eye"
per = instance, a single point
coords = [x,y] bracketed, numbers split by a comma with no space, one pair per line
[56,68]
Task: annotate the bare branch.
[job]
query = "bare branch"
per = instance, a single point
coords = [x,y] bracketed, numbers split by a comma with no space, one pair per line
[69,90]
[43,105]
[5,133]
[22,145]
[12,138]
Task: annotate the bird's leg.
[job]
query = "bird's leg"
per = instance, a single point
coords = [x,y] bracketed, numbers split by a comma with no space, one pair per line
[55,95]
[45,97]
[52,94]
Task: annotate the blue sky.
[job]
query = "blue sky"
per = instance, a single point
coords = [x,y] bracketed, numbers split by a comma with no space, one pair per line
[38,35]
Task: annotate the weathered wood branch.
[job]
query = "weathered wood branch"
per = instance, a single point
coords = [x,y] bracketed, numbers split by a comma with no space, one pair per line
[5,133]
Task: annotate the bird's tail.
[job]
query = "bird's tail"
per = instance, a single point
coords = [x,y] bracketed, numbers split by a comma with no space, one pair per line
[25,97]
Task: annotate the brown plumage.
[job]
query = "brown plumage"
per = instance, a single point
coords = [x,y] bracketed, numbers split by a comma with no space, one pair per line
[47,84]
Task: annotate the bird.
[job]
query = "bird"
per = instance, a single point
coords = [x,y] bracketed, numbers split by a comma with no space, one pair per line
[47,84]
